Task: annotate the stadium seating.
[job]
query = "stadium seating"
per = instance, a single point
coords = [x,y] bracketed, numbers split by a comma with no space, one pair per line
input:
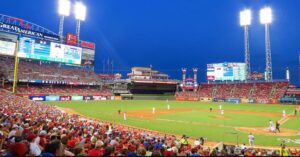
[261,92]
[39,70]
[35,129]
[61,90]
[205,90]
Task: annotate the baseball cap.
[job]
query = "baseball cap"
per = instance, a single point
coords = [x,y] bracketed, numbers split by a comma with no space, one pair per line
[31,137]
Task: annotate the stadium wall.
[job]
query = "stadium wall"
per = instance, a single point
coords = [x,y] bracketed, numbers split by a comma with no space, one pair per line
[153,97]
[65,97]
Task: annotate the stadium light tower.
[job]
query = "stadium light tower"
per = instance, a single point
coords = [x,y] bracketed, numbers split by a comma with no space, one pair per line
[80,14]
[266,19]
[245,21]
[64,7]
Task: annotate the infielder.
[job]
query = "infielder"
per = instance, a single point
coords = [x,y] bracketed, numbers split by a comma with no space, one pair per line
[220,107]
[283,113]
[222,112]
[168,107]
[153,110]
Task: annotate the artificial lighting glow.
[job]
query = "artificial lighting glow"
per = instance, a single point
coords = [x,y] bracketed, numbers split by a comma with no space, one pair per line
[64,7]
[265,15]
[245,17]
[80,11]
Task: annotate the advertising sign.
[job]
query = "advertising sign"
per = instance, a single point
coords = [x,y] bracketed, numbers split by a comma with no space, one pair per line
[7,48]
[88,54]
[71,39]
[37,98]
[97,97]
[65,98]
[20,30]
[87,97]
[87,44]
[219,100]
[233,100]
[8,37]
[52,98]
[77,97]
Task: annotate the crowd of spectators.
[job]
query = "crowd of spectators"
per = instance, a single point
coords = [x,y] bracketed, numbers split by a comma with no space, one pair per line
[261,92]
[35,129]
[49,71]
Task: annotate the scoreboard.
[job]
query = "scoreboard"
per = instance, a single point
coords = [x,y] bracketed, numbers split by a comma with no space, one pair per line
[49,51]
[226,72]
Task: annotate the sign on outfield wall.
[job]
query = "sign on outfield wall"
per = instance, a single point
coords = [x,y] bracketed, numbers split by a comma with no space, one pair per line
[52,98]
[37,98]
[77,98]
[87,97]
[65,98]
[97,97]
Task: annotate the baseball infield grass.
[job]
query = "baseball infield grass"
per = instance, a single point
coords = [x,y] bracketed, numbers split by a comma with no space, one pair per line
[194,118]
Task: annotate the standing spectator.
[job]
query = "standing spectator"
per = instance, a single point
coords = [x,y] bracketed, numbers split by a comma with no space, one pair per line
[184,140]
[12,133]
[34,148]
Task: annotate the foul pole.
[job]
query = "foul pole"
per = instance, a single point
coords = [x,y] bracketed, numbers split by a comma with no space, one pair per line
[16,69]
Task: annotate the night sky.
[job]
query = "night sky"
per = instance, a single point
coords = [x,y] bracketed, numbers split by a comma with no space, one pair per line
[171,34]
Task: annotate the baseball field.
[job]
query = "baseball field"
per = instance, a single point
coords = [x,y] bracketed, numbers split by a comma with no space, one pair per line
[196,120]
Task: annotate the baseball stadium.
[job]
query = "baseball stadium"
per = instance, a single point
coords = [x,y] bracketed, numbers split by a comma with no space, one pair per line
[55,102]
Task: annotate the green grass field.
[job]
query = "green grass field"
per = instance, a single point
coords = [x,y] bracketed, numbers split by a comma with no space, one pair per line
[193,120]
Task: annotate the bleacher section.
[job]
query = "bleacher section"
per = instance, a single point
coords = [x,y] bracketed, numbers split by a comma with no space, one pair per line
[42,79]
[259,92]
[47,71]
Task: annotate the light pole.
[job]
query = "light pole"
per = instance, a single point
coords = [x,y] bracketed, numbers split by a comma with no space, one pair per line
[64,7]
[80,14]
[266,19]
[245,21]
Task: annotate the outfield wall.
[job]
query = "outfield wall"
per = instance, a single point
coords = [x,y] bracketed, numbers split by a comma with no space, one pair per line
[153,97]
[65,97]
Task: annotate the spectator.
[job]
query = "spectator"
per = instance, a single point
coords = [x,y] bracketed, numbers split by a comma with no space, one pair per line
[54,148]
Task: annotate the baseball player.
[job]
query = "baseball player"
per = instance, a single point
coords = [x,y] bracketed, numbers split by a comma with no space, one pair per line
[220,107]
[283,113]
[271,126]
[277,127]
[153,110]
[251,139]
[222,112]
[124,114]
[168,107]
